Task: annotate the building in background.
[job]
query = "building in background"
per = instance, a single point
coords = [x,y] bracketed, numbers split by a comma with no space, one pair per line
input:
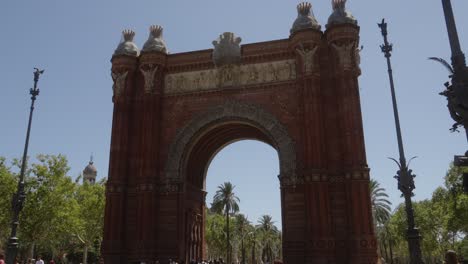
[90,172]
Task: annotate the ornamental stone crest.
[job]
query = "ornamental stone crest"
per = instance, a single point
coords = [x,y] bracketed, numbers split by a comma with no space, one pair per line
[305,18]
[127,46]
[148,72]
[155,41]
[227,49]
[340,15]
[119,79]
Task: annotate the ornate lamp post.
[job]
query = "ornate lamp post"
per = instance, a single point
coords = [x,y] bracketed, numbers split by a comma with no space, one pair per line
[19,196]
[404,174]
[456,91]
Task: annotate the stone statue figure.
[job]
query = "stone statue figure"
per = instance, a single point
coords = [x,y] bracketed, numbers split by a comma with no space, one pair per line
[357,56]
[345,53]
[119,82]
[149,77]
[307,56]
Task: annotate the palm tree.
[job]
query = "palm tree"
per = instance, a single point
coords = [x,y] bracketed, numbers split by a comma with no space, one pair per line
[243,225]
[380,205]
[226,201]
[269,233]
[380,210]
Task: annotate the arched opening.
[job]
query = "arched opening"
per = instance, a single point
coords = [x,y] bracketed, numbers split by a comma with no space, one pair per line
[251,166]
[205,146]
[195,145]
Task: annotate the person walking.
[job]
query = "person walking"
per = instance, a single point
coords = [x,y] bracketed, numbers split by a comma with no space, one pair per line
[2,258]
[39,260]
[451,257]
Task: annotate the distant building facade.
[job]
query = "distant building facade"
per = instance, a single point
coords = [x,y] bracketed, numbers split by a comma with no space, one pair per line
[90,172]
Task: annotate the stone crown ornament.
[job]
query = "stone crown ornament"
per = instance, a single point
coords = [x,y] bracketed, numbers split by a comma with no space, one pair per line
[340,15]
[227,49]
[127,46]
[155,41]
[305,18]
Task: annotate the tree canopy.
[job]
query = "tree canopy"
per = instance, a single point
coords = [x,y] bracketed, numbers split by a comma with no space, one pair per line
[59,215]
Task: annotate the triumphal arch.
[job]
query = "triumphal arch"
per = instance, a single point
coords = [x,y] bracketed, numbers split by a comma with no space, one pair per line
[173,112]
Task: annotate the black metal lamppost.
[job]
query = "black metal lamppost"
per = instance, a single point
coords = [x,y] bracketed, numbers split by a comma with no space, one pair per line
[20,195]
[456,91]
[404,175]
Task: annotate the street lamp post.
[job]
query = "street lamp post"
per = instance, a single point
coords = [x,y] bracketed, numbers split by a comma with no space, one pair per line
[20,195]
[404,175]
[456,91]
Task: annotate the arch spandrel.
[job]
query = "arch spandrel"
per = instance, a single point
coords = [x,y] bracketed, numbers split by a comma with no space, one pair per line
[233,111]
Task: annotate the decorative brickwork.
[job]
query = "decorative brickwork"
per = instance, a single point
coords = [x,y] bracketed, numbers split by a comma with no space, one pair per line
[174,112]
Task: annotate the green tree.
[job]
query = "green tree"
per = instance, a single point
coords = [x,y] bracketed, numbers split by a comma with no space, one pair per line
[380,214]
[269,235]
[8,183]
[47,212]
[215,235]
[380,204]
[91,202]
[226,201]
[242,227]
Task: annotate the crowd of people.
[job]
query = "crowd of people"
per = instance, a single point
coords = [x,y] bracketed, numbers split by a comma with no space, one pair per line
[450,258]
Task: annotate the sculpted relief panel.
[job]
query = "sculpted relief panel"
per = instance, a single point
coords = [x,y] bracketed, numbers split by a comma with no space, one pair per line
[230,75]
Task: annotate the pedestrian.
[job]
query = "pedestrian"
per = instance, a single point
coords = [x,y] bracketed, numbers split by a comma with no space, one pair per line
[39,260]
[2,258]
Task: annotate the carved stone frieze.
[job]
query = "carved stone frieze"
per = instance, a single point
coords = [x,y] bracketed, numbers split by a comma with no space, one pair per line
[119,79]
[114,188]
[148,72]
[230,75]
[145,187]
[168,188]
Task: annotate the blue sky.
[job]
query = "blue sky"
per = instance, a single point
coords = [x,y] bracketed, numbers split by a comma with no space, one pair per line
[74,41]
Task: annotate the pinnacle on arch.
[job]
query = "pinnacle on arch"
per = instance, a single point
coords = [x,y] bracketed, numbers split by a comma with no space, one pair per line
[340,15]
[155,40]
[127,46]
[305,18]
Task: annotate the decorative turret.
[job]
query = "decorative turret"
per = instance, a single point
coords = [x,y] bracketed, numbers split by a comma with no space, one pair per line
[340,15]
[305,18]
[90,172]
[127,46]
[155,41]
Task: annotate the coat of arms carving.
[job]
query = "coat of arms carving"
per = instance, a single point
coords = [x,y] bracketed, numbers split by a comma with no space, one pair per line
[227,49]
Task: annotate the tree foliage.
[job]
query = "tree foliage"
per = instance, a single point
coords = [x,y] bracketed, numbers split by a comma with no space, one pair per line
[59,215]
[7,187]
[380,204]
[442,222]
[225,200]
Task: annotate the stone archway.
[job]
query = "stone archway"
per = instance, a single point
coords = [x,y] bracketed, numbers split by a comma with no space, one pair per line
[195,145]
[299,94]
[232,112]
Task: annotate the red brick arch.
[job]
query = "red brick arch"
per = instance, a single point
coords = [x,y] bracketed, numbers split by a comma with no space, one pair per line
[166,130]
[195,144]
